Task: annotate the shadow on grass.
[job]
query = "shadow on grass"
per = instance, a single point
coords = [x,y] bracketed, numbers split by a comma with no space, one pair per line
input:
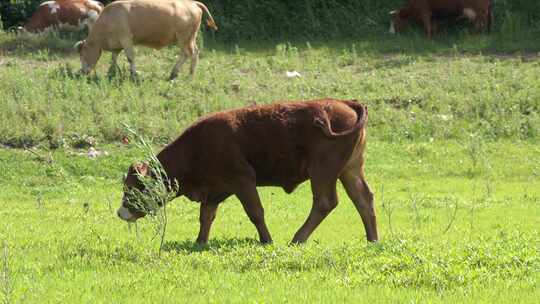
[39,46]
[227,244]
[116,76]
[449,41]
[452,40]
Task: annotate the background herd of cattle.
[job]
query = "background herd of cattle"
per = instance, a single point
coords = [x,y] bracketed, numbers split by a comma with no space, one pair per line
[76,14]
[157,23]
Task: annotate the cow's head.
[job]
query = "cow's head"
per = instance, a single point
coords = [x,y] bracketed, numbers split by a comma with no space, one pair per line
[399,21]
[130,209]
[89,54]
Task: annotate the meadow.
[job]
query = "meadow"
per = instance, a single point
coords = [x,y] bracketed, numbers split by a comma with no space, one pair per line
[452,157]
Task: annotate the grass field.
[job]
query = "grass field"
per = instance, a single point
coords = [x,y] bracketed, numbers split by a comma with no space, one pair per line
[453,158]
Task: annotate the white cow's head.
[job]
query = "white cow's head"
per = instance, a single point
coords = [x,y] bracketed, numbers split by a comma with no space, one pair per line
[399,21]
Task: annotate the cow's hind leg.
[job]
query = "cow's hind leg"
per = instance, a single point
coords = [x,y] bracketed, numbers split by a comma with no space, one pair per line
[206,218]
[181,59]
[482,23]
[358,191]
[190,51]
[194,59]
[324,201]
[193,50]
[249,197]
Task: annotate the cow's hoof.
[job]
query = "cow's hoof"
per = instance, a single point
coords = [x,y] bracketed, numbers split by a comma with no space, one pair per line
[200,245]
[265,243]
[113,72]
[296,243]
[173,77]
[136,77]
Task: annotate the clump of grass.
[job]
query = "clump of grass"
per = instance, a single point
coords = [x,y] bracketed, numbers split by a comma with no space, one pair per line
[83,141]
[476,150]
[158,188]
[453,216]
[6,281]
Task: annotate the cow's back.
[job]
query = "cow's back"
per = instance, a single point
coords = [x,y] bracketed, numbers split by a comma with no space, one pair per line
[443,8]
[65,14]
[153,23]
[39,19]
[279,141]
[73,13]
[274,140]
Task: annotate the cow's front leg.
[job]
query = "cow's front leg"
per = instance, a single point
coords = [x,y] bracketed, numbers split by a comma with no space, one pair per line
[207,216]
[426,20]
[249,197]
[130,54]
[114,62]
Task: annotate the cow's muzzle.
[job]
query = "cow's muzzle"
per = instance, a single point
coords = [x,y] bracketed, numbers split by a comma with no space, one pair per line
[85,70]
[126,215]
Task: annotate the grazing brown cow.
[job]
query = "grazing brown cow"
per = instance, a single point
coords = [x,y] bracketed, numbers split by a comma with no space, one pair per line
[480,12]
[281,144]
[64,14]
[152,23]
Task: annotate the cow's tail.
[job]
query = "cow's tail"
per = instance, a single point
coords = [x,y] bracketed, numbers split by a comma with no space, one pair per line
[209,20]
[361,113]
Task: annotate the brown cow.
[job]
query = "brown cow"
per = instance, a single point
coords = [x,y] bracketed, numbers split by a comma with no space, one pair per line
[480,12]
[71,15]
[152,23]
[281,144]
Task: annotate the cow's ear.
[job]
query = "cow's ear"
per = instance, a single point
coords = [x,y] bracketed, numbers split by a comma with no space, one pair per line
[142,169]
[79,45]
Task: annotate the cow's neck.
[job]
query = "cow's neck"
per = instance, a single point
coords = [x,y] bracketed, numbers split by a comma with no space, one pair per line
[171,160]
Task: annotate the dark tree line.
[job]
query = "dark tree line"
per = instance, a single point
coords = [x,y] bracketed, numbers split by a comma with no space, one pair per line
[277,19]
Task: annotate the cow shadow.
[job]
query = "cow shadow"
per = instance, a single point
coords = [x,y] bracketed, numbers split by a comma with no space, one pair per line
[45,46]
[453,37]
[217,245]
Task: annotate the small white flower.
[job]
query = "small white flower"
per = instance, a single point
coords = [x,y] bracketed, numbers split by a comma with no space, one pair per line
[92,153]
[444,117]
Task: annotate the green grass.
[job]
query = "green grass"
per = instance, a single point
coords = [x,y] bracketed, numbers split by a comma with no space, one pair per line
[452,158]
[440,91]
[65,242]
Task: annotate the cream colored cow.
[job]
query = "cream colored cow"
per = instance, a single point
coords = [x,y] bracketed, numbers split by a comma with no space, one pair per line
[152,23]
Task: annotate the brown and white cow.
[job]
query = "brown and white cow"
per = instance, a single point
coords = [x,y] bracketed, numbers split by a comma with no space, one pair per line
[71,15]
[152,23]
[480,12]
[282,144]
